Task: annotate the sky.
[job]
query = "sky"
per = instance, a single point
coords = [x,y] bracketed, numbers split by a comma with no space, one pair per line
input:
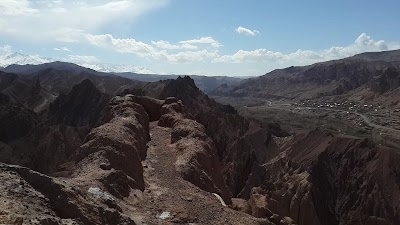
[224,37]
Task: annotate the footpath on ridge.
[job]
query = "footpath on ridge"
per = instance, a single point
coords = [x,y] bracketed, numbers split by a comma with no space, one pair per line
[169,199]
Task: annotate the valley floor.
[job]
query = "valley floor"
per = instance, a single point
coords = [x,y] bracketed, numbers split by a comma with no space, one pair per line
[379,124]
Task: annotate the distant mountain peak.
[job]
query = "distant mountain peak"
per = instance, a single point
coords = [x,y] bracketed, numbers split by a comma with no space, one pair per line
[18,58]
[22,59]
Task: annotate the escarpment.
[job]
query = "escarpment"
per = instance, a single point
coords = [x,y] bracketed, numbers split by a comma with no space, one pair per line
[318,178]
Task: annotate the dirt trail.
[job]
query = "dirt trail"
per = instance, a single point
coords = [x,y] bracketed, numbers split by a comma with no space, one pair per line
[168,199]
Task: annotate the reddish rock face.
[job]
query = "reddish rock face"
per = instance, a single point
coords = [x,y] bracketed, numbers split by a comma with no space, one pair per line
[120,142]
[307,179]
[312,178]
[197,162]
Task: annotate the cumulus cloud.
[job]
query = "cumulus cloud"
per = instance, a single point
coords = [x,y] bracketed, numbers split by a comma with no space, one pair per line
[246,31]
[363,43]
[166,45]
[203,40]
[188,51]
[160,52]
[187,56]
[127,45]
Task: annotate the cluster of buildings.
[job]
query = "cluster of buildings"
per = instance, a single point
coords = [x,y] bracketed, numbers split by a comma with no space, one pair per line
[345,106]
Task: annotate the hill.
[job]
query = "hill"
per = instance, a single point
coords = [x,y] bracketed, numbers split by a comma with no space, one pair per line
[364,78]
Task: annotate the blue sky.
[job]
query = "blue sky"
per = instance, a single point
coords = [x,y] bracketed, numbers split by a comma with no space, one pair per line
[237,38]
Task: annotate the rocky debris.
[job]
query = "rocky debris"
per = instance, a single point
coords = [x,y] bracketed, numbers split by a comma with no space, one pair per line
[240,204]
[258,203]
[118,184]
[28,197]
[82,106]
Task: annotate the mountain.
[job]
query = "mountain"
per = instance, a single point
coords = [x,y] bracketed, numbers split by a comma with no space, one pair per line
[37,86]
[34,68]
[387,56]
[82,106]
[26,64]
[173,155]
[113,68]
[364,78]
[22,59]
[205,83]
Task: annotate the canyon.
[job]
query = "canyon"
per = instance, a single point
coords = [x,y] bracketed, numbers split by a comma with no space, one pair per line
[80,148]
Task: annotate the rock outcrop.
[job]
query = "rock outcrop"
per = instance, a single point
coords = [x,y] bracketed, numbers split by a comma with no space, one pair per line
[119,143]
[28,197]
[93,148]
[198,160]
[325,180]
[107,167]
[15,120]
[306,179]
[82,106]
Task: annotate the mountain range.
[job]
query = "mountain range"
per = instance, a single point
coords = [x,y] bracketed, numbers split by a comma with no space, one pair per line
[78,146]
[364,78]
[25,64]
[23,59]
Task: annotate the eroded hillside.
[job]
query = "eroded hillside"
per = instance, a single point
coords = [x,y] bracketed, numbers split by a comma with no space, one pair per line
[177,156]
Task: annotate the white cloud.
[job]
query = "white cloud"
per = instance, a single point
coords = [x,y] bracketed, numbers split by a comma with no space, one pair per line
[187,56]
[132,46]
[363,43]
[246,31]
[258,55]
[65,49]
[166,45]
[66,21]
[16,8]
[203,40]
[128,45]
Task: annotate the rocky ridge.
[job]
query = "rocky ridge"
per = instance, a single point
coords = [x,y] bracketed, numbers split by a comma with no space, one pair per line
[158,161]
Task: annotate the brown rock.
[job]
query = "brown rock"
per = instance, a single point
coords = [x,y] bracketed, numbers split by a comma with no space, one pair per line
[240,204]
[259,204]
